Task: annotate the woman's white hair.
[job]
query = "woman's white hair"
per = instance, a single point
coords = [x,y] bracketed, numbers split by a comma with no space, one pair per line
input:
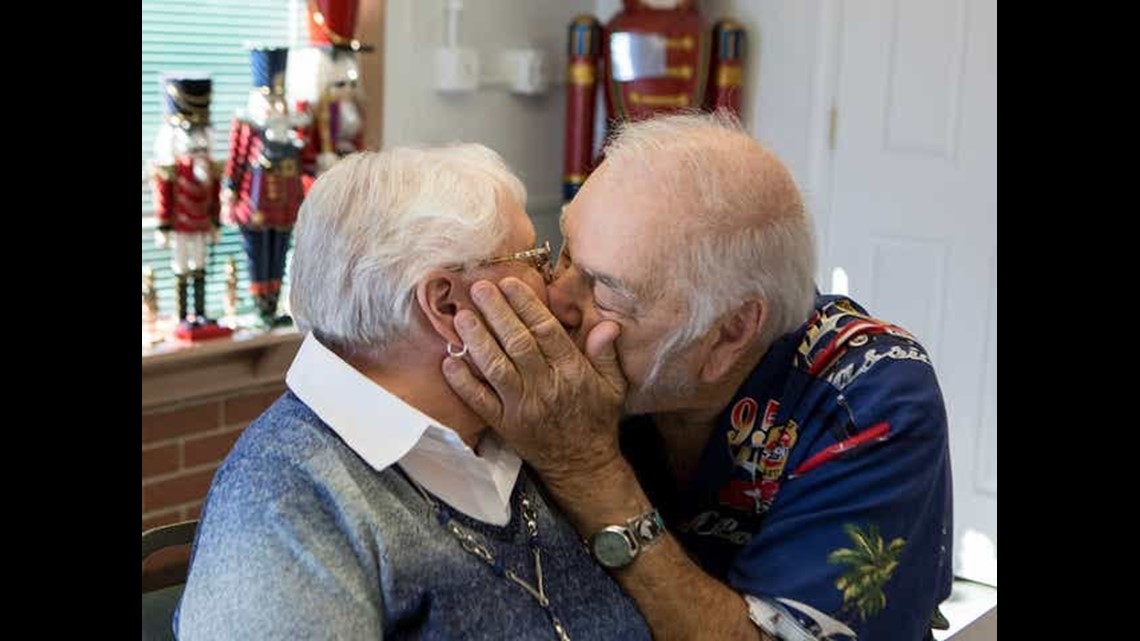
[376,223]
[746,235]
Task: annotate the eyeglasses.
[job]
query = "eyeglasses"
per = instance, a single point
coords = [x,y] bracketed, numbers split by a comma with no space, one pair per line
[539,258]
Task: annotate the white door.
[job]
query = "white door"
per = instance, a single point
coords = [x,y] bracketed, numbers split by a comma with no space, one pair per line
[913,218]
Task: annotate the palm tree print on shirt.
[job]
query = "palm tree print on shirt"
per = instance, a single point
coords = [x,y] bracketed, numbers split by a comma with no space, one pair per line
[871,565]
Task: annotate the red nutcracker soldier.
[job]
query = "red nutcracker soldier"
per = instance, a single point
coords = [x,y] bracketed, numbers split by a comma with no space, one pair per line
[324,85]
[185,182]
[261,187]
[654,57]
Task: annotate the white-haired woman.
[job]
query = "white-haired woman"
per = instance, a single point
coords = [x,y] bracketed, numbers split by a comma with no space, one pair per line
[369,501]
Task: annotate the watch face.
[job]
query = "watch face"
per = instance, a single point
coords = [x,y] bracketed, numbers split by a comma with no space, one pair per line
[611,549]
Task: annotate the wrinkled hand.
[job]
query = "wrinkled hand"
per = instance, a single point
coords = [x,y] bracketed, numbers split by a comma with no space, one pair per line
[556,407]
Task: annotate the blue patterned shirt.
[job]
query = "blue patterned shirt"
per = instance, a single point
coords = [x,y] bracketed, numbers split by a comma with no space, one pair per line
[824,492]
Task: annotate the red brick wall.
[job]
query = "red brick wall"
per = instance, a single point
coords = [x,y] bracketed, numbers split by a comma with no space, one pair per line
[182,446]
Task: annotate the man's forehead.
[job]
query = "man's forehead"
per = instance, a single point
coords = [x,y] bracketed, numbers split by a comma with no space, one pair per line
[607,246]
[601,206]
[610,207]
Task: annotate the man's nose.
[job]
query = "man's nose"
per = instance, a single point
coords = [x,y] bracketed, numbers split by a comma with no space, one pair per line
[564,303]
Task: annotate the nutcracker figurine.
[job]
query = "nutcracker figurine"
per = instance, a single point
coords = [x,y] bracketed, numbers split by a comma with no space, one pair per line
[184,180]
[654,57]
[324,84]
[149,306]
[261,187]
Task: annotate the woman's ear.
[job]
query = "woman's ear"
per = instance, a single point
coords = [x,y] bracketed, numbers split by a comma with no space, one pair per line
[440,295]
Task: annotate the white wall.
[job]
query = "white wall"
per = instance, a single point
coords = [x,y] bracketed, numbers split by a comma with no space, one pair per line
[527,131]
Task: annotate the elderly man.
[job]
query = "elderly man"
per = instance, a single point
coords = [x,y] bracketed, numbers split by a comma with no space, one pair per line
[794,447]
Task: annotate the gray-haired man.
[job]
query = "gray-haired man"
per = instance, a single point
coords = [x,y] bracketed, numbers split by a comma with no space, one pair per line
[795,446]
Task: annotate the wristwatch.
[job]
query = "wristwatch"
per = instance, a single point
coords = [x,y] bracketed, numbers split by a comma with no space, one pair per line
[616,546]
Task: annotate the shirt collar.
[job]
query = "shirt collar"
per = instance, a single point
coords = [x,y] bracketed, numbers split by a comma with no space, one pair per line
[383,429]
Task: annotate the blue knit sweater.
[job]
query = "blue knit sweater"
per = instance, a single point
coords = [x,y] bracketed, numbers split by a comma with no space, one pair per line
[300,538]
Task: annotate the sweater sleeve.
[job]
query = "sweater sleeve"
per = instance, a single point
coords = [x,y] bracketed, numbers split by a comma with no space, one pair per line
[275,557]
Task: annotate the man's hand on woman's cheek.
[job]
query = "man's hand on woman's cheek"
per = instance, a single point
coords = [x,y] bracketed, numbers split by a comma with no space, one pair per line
[558,408]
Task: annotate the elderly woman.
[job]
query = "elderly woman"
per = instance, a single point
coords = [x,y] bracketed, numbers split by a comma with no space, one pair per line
[369,501]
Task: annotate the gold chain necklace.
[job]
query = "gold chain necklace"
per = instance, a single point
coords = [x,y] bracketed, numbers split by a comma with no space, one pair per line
[469,542]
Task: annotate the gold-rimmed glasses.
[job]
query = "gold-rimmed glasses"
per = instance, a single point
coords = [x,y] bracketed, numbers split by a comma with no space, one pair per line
[540,258]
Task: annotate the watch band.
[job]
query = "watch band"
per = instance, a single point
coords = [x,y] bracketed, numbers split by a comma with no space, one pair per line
[647,528]
[617,546]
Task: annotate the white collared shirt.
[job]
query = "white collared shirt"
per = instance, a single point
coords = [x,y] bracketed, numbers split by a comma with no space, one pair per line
[383,429]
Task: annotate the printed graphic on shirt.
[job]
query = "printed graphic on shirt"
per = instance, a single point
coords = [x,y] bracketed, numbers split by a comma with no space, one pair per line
[877,433]
[838,326]
[713,524]
[760,452]
[843,376]
[745,438]
[871,563]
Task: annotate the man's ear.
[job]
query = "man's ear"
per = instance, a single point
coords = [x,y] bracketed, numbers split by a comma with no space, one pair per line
[440,295]
[734,337]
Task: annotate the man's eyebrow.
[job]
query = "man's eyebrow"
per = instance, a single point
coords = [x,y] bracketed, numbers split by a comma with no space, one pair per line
[618,285]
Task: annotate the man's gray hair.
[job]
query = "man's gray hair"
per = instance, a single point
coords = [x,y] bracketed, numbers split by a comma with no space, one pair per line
[376,223]
[741,231]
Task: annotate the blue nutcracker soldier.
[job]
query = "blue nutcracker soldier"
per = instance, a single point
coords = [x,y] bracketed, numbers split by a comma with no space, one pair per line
[261,185]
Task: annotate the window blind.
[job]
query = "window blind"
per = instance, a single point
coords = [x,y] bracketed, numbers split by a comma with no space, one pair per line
[210,36]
